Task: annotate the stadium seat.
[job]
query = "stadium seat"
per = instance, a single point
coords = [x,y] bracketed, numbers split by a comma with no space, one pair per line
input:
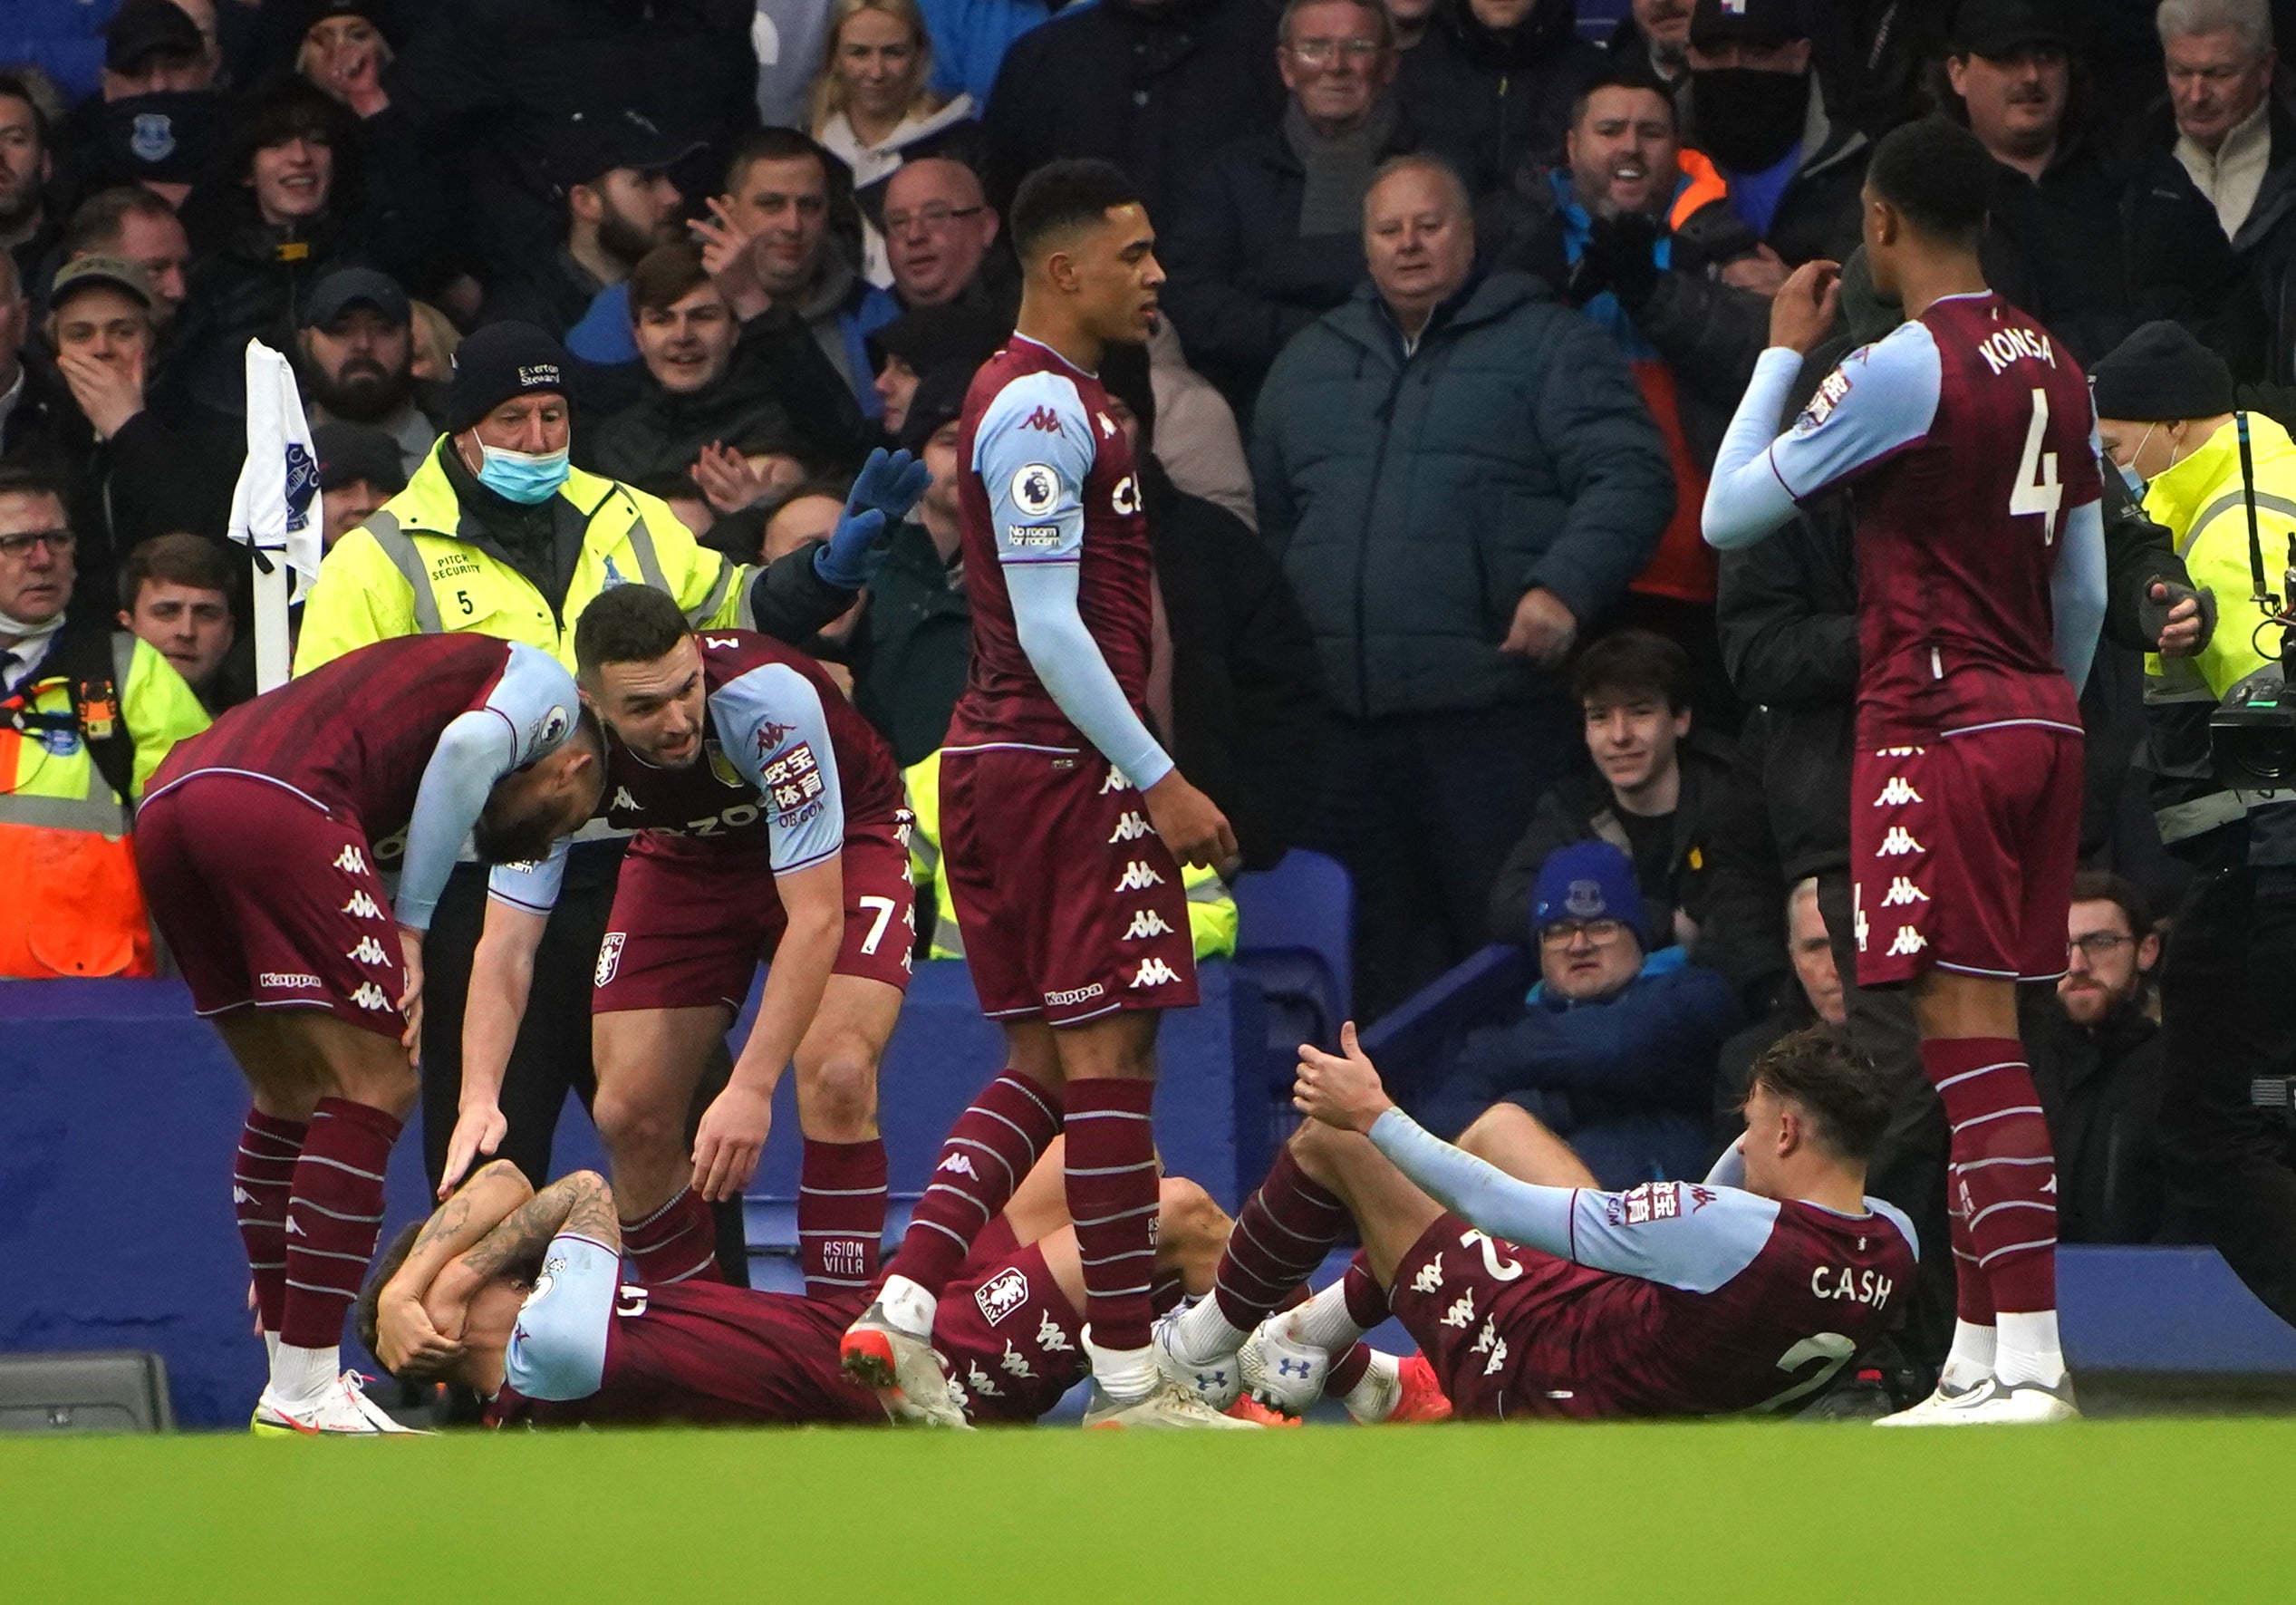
[1413,1040]
[1294,936]
[91,1390]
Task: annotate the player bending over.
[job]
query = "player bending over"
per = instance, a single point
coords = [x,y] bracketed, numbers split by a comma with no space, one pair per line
[770,827]
[260,843]
[520,1296]
[1971,438]
[1535,1293]
[1064,821]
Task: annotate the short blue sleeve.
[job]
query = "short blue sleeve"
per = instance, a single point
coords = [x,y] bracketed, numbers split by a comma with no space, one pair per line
[772,728]
[1033,451]
[557,1350]
[531,884]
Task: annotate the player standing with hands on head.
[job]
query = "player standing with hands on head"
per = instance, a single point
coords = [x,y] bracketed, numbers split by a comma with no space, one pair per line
[1971,437]
[1064,823]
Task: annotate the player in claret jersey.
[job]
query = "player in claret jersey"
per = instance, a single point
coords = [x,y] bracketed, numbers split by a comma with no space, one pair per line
[1970,439]
[1064,822]
[1534,1293]
[260,843]
[770,826]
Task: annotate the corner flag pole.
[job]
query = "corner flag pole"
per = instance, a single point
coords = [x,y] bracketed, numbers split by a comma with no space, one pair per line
[276,507]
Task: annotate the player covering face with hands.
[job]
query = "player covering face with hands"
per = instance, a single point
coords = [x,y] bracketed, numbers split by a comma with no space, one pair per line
[1532,1292]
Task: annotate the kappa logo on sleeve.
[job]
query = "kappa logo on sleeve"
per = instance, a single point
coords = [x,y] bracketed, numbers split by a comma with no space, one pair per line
[1045,419]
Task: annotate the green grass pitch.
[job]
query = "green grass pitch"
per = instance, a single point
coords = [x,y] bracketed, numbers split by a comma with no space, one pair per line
[2197,1509]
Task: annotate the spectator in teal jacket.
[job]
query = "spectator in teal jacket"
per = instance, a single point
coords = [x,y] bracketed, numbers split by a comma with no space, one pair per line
[1459,476]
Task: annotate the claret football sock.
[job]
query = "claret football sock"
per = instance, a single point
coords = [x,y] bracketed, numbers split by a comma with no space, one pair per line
[992,1146]
[1285,1228]
[841,1216]
[2005,1181]
[334,1211]
[1348,1371]
[1112,1188]
[677,1243]
[262,1176]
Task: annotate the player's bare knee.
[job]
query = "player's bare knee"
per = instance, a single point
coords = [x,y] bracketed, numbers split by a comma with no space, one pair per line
[837,1088]
[1491,1130]
[633,1127]
[1187,1219]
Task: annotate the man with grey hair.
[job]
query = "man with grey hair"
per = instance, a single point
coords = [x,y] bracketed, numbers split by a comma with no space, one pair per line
[1271,238]
[1459,474]
[2211,203]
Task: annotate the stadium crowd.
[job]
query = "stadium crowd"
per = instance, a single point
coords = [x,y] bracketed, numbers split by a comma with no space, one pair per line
[1462,296]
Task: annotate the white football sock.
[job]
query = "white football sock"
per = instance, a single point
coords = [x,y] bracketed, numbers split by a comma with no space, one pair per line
[1324,1322]
[908,1306]
[1125,1374]
[303,1376]
[2029,1350]
[1971,1359]
[1200,1334]
[271,1347]
[1375,1397]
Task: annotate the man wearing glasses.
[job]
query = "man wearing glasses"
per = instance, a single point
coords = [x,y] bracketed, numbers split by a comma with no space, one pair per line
[1613,1049]
[1271,238]
[939,233]
[86,714]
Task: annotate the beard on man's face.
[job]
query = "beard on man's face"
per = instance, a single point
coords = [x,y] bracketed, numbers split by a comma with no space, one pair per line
[362,391]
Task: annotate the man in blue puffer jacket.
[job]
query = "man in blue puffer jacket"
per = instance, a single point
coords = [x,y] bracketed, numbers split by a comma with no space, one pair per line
[1461,476]
[1613,1051]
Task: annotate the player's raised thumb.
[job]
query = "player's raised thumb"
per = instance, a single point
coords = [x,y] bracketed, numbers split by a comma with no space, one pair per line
[1347,1040]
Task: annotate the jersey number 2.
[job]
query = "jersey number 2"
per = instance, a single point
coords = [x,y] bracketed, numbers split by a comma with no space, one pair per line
[2038,489]
[1831,1348]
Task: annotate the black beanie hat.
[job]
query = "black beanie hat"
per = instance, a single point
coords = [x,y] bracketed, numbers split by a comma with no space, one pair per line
[941,396]
[497,362]
[2160,374]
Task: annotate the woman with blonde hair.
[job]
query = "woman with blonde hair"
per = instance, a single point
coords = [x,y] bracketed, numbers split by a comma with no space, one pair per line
[874,110]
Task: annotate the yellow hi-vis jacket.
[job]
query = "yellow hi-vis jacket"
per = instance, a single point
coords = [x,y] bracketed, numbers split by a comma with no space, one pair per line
[406,571]
[1211,909]
[71,903]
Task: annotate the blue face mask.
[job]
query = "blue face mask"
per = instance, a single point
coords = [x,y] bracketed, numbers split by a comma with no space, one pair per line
[2128,475]
[521,476]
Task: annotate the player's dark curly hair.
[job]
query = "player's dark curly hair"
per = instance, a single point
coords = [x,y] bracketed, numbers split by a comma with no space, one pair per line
[1937,174]
[1818,1070]
[386,1266]
[627,624]
[1072,193]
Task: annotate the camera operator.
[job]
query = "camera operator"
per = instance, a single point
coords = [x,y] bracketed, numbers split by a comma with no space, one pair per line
[2214,477]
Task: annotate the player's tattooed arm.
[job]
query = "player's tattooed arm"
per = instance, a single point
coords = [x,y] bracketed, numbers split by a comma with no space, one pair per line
[409,1341]
[580,1203]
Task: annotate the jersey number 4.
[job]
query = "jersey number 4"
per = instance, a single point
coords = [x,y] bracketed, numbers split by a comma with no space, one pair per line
[2038,489]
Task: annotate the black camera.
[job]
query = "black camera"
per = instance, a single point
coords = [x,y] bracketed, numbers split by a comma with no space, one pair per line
[2252,736]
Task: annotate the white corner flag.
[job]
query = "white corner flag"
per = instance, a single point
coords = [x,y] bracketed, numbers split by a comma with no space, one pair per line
[276,507]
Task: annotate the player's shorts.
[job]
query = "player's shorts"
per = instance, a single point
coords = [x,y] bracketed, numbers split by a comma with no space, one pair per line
[266,899]
[1011,1342]
[691,923]
[1509,1331]
[1962,854]
[1070,905]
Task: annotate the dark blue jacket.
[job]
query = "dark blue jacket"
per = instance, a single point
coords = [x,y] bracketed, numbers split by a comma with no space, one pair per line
[1414,499]
[1652,1049]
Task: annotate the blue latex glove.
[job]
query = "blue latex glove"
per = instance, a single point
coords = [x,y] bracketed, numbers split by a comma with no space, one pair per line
[888,486]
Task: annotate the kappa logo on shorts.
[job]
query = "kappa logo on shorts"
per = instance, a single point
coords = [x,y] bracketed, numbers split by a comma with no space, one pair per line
[1498,1357]
[1909,941]
[1017,1363]
[362,907]
[1896,793]
[1461,1311]
[1050,1337]
[350,861]
[1154,972]
[1138,876]
[1901,892]
[1429,1277]
[1897,844]
[371,996]
[1082,994]
[609,956]
[1001,1295]
[1488,1336]
[982,1382]
[1131,828]
[1114,782]
[1901,752]
[368,951]
[1146,923]
[285,980]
